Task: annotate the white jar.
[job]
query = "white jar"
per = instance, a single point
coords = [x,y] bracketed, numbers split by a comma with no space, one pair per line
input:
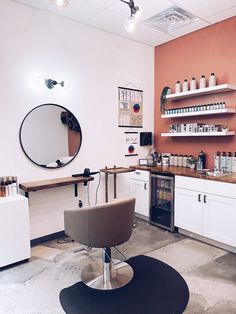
[202,82]
[234,163]
[212,80]
[178,87]
[193,84]
[185,86]
[165,160]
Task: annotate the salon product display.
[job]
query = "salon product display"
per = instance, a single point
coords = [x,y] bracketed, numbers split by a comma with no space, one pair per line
[196,108]
[197,128]
[194,84]
[8,186]
[225,161]
[181,160]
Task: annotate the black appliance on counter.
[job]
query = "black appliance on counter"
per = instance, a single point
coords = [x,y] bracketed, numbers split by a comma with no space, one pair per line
[162,201]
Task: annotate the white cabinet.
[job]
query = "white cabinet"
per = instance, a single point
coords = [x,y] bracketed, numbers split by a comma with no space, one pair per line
[139,184]
[201,207]
[219,216]
[188,210]
[14,230]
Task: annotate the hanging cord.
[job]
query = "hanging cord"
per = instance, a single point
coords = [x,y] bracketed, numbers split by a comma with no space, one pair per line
[96,198]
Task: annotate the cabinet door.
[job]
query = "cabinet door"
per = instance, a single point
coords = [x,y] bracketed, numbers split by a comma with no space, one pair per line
[140,190]
[219,218]
[188,210]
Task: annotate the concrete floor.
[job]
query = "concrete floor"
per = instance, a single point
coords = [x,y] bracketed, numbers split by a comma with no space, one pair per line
[33,287]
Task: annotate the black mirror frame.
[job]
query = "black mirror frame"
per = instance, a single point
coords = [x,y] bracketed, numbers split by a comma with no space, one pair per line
[21,144]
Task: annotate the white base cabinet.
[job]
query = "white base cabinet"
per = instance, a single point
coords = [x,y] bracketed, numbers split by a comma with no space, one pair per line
[14,230]
[206,210]
[139,184]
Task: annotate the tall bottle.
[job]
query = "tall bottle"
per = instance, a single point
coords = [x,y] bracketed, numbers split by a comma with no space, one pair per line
[217,161]
[229,162]
[185,85]
[212,80]
[3,188]
[234,163]
[15,186]
[193,84]
[201,160]
[202,83]
[223,162]
[178,87]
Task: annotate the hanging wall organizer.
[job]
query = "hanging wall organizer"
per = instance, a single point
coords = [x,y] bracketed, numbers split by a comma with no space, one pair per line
[130,107]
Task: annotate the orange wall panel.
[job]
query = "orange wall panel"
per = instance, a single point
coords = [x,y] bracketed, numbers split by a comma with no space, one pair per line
[212,49]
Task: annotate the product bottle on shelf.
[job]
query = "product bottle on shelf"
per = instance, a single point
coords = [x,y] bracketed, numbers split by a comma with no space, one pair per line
[3,188]
[15,186]
[234,163]
[223,162]
[217,161]
[202,82]
[178,87]
[185,85]
[212,80]
[229,162]
[193,84]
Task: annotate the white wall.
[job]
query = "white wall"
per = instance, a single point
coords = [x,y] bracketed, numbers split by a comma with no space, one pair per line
[36,44]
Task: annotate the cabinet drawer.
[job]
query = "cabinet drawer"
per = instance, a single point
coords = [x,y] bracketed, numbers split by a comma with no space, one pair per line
[206,186]
[140,175]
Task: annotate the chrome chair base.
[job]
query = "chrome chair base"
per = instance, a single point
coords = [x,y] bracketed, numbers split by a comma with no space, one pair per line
[94,275]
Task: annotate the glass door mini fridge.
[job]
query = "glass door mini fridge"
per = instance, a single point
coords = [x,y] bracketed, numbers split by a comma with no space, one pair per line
[162,201]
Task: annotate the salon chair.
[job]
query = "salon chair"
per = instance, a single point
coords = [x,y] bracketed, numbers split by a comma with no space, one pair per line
[103,226]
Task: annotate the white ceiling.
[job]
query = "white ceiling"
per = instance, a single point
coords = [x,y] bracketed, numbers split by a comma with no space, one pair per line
[110,15]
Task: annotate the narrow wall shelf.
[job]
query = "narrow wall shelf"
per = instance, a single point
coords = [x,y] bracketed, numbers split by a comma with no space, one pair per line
[199,113]
[203,91]
[228,133]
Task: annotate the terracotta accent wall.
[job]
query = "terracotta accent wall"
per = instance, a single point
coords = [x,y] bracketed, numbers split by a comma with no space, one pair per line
[212,49]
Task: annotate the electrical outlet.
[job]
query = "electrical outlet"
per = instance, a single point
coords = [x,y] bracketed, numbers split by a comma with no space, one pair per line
[80,204]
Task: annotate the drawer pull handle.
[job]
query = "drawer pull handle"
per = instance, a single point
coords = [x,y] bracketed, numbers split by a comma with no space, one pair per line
[136,172]
[199,197]
[145,186]
[204,199]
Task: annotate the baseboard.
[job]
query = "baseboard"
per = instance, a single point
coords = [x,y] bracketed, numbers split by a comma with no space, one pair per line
[208,241]
[46,238]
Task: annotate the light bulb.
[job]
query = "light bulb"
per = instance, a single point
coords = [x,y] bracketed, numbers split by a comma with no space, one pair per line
[138,12]
[130,24]
[61,3]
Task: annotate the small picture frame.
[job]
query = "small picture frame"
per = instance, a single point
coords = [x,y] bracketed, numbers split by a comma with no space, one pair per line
[143,162]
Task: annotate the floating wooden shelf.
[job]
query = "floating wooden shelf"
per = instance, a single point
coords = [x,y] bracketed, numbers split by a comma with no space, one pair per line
[228,133]
[53,183]
[199,113]
[203,91]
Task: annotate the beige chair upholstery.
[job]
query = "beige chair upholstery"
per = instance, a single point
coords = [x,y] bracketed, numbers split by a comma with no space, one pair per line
[102,226]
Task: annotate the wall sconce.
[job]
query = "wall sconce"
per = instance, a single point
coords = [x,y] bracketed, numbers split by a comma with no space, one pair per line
[51,83]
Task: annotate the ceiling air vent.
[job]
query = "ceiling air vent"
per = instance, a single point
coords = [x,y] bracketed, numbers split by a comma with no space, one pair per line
[171,19]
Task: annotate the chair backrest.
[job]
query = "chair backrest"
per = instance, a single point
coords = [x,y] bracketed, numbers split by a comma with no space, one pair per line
[104,225]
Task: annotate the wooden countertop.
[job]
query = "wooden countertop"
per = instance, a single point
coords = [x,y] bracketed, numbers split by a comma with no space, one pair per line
[52,183]
[187,172]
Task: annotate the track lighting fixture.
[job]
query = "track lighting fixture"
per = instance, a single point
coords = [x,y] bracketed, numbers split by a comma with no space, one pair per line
[51,83]
[135,11]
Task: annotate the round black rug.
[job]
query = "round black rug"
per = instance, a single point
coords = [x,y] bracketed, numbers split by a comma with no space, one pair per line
[156,288]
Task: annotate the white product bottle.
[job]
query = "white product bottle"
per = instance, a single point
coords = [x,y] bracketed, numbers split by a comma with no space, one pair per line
[229,162]
[234,163]
[178,87]
[202,82]
[171,160]
[212,80]
[223,162]
[193,84]
[185,85]
[175,160]
[185,161]
[217,161]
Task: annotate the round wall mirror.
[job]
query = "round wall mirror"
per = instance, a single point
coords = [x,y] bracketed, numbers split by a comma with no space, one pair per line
[50,136]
